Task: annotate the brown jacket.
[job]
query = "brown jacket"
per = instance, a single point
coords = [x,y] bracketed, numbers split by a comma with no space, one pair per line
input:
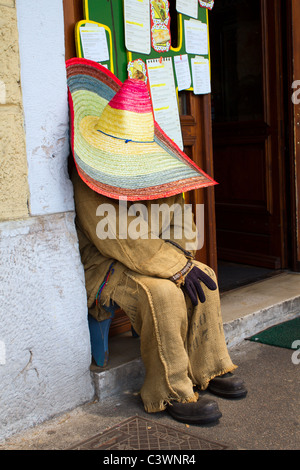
[149,254]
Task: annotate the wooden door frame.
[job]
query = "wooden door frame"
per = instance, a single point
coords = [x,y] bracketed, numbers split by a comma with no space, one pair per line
[204,160]
[211,233]
[292,47]
[197,133]
[274,96]
[73,12]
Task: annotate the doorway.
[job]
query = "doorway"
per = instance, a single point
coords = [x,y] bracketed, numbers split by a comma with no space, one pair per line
[248,140]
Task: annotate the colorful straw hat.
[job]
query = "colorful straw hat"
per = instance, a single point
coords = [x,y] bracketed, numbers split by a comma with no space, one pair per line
[118,148]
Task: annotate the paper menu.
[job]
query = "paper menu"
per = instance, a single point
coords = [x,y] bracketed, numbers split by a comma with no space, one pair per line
[182,70]
[137,26]
[201,75]
[196,37]
[187,7]
[94,43]
[164,98]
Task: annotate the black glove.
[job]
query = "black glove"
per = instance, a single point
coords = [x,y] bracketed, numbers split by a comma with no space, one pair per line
[193,287]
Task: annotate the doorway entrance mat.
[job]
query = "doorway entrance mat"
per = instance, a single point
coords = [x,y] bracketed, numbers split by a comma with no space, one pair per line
[284,335]
[138,433]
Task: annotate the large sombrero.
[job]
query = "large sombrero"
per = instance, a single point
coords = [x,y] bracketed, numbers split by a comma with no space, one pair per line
[118,148]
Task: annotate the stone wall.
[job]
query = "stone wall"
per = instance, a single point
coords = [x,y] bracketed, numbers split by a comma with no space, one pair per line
[44,338]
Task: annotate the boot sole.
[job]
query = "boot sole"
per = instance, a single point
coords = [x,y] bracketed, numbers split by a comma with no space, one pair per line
[224,394]
[195,419]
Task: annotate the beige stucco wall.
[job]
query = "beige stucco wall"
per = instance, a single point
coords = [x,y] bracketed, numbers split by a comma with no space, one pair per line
[13,162]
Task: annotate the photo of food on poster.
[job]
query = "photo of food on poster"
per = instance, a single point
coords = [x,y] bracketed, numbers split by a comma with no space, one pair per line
[207,4]
[137,69]
[160,25]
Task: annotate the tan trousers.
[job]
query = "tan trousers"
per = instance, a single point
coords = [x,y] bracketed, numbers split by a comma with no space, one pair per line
[181,346]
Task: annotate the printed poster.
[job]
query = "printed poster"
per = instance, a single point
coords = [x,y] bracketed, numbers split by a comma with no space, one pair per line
[207,4]
[160,25]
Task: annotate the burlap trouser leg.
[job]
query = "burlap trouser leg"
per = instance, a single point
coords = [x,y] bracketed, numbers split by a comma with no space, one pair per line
[181,346]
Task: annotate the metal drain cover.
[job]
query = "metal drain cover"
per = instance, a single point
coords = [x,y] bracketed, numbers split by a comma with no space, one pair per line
[138,433]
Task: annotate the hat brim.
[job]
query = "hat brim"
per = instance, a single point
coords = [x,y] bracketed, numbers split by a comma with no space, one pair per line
[136,171]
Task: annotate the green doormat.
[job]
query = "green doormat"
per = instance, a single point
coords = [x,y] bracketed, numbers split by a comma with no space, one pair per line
[285,335]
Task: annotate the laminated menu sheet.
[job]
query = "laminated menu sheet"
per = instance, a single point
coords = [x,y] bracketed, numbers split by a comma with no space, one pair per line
[94,43]
[187,7]
[137,26]
[164,98]
[201,75]
[196,37]
[182,70]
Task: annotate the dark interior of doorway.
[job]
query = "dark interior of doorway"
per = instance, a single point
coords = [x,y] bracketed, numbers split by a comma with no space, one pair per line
[237,102]
[234,275]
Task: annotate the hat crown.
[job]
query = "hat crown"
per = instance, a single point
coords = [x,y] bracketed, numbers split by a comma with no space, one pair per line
[129,114]
[132,96]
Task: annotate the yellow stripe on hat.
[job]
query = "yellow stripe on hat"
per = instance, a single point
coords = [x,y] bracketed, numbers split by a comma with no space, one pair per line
[88,129]
[124,124]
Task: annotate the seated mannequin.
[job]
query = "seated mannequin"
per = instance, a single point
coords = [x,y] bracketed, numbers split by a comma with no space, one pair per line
[149,270]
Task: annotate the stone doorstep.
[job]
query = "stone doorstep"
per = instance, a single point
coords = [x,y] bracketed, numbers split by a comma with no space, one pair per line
[264,304]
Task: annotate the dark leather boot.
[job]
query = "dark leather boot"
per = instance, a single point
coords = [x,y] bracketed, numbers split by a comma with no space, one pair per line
[228,386]
[204,411]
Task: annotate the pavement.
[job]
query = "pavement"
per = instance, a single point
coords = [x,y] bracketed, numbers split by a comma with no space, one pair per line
[267,419]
